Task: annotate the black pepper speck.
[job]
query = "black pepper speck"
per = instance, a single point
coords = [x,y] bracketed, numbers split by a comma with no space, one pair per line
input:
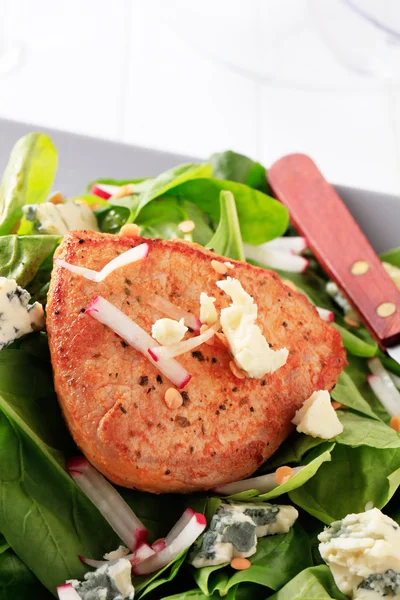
[143,380]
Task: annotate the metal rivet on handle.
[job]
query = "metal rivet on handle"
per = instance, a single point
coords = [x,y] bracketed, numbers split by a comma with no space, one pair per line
[360,267]
[386,309]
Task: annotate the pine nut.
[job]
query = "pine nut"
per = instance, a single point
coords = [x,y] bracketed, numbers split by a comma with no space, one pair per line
[336,405]
[283,474]
[222,338]
[236,371]
[125,190]
[395,423]
[173,399]
[186,226]
[219,267]
[57,198]
[130,230]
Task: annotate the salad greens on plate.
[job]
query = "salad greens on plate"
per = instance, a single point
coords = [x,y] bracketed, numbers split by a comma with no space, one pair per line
[47,522]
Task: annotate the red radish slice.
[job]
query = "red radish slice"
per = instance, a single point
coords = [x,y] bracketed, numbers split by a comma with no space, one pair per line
[160,352]
[138,338]
[184,539]
[384,388]
[276,259]
[174,312]
[179,526]
[159,546]
[104,190]
[108,501]
[297,245]
[126,258]
[141,553]
[91,562]
[326,315]
[263,484]
[395,379]
[67,592]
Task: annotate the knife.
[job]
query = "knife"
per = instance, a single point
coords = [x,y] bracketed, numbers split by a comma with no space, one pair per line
[340,246]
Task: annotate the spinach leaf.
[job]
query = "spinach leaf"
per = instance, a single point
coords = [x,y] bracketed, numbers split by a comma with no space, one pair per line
[237,167]
[388,362]
[278,559]
[21,256]
[43,514]
[28,177]
[360,474]
[392,257]
[17,582]
[146,584]
[313,462]
[362,431]
[355,345]
[348,394]
[4,545]
[159,186]
[191,595]
[261,217]
[315,583]
[357,370]
[227,240]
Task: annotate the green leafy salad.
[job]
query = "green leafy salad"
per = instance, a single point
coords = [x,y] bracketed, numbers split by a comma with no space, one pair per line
[319,519]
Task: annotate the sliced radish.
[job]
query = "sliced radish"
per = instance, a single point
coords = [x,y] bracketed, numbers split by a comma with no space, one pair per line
[138,338]
[297,245]
[326,315]
[126,258]
[96,564]
[159,546]
[185,536]
[276,259]
[395,379]
[384,394]
[263,484]
[108,501]
[67,592]
[104,190]
[141,553]
[165,352]
[174,312]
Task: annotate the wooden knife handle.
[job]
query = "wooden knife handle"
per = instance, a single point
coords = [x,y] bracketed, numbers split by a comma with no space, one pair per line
[338,243]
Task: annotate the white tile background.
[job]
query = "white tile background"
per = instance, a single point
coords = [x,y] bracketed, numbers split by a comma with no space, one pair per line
[198,77]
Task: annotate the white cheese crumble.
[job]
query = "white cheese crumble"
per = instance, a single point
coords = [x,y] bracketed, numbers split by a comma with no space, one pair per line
[317,417]
[234,530]
[168,331]
[109,582]
[17,316]
[208,312]
[120,552]
[363,553]
[249,347]
[58,219]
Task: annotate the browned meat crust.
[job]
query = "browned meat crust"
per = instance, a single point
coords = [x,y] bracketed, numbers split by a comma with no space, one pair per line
[113,398]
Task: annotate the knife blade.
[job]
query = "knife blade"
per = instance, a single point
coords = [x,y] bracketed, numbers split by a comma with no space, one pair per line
[340,246]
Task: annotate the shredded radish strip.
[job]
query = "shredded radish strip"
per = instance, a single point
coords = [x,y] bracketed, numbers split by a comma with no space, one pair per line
[108,501]
[179,526]
[395,379]
[91,562]
[276,259]
[141,553]
[108,314]
[384,395]
[104,190]
[263,484]
[126,258]
[174,312]
[167,352]
[326,315]
[287,244]
[185,536]
[67,592]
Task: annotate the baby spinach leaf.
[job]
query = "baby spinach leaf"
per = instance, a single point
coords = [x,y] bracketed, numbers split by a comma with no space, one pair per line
[361,473]
[237,167]
[43,514]
[227,240]
[278,559]
[4,545]
[291,451]
[17,582]
[347,393]
[392,257]
[357,370]
[21,256]
[146,584]
[261,217]
[28,177]
[315,583]
[388,362]
[362,431]
[192,595]
[312,463]
[355,345]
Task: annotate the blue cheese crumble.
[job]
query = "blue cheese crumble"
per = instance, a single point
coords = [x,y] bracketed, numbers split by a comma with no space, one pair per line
[109,582]
[234,530]
[58,219]
[363,553]
[17,316]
